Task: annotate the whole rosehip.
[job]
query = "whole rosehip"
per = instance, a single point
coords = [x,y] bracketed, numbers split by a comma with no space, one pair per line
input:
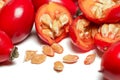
[110,64]
[7,50]
[16,19]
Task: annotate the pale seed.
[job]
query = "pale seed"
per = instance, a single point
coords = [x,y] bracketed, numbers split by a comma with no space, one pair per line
[70,59]
[47,50]
[60,32]
[46,19]
[1,3]
[38,59]
[63,19]
[89,59]
[57,48]
[48,33]
[81,24]
[104,30]
[58,66]
[29,55]
[56,26]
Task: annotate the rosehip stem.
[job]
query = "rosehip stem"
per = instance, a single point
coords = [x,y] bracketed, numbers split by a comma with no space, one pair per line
[14,53]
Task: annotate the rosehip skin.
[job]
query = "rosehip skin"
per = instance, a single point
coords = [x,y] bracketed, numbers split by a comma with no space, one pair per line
[110,64]
[69,4]
[8,51]
[16,19]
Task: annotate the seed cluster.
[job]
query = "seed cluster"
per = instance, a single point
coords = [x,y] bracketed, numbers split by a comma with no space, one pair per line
[49,51]
[100,7]
[53,27]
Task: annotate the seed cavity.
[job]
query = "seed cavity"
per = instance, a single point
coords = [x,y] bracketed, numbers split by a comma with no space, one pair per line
[83,29]
[101,6]
[110,30]
[53,28]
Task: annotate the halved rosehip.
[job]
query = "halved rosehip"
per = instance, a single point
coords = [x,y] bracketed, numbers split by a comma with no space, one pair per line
[52,22]
[107,34]
[101,11]
[81,34]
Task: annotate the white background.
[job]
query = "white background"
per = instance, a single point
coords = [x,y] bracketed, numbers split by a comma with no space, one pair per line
[20,70]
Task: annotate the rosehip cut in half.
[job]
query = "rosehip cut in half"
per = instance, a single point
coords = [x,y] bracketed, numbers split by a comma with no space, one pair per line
[81,33]
[101,11]
[52,22]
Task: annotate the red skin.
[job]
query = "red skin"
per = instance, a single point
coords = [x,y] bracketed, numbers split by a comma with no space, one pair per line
[69,4]
[42,10]
[111,15]
[101,43]
[16,19]
[83,45]
[6,47]
[110,64]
